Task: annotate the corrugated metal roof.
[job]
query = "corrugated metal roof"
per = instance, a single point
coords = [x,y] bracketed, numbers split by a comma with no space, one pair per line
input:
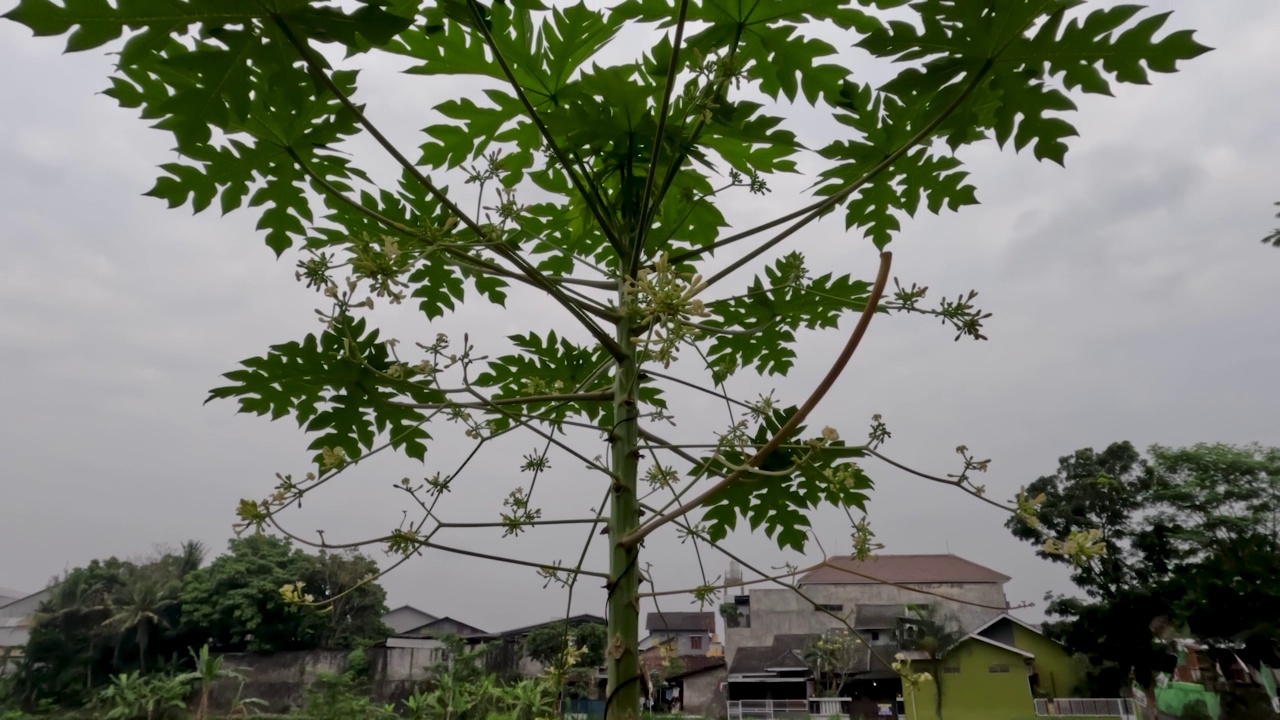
[905,569]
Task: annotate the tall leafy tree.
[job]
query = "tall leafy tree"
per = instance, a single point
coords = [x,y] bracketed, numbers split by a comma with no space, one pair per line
[356,603]
[1192,537]
[236,603]
[597,167]
[547,644]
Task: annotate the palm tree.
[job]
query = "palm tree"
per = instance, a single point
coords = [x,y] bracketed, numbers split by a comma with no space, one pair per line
[189,558]
[72,600]
[934,633]
[138,606]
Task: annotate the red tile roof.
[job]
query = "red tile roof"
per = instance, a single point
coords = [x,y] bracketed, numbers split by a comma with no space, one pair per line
[906,569]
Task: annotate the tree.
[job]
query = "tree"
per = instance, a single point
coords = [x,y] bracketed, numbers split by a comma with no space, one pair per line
[832,658]
[138,605]
[935,633]
[358,604]
[1192,537]
[547,644]
[599,188]
[239,603]
[69,651]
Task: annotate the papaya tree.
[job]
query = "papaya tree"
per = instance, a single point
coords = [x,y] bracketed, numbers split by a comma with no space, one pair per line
[585,156]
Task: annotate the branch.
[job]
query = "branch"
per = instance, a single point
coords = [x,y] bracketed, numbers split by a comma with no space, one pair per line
[568,521]
[426,543]
[605,226]
[699,388]
[873,300]
[956,482]
[459,256]
[602,396]
[673,68]
[812,212]
[528,270]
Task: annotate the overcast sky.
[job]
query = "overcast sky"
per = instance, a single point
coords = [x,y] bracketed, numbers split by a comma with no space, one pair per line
[1131,300]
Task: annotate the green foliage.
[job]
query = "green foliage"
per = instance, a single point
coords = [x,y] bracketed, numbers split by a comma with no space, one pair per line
[334,696]
[133,696]
[808,474]
[606,167]
[1190,537]
[547,644]
[1273,238]
[832,658]
[237,603]
[113,616]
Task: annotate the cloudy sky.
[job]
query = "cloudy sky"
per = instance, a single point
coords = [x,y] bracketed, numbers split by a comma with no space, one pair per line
[1131,300]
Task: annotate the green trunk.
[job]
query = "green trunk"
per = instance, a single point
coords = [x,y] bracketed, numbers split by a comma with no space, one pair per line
[622,654]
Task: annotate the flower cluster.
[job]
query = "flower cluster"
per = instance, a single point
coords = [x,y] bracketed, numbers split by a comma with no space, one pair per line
[293,594]
[662,300]
[902,666]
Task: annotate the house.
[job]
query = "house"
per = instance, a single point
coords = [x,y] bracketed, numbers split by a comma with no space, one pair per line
[999,667]
[699,687]
[1005,669]
[17,615]
[406,618]
[422,632]
[686,633]
[8,595]
[681,649]
[831,595]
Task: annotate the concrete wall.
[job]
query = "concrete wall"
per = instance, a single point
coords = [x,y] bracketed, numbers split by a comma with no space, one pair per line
[282,679]
[702,694]
[785,612]
[683,642]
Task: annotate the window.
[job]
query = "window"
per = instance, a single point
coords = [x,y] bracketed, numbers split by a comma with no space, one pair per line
[695,642]
[829,608]
[951,669]
[998,669]
[875,636]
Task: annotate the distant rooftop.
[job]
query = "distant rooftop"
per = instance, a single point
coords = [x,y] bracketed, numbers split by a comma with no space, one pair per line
[681,622]
[905,569]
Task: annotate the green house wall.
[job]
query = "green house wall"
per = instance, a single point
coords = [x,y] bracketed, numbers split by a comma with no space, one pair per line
[974,693]
[1055,672]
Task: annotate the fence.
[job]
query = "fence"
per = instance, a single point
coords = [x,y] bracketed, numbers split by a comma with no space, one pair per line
[767,709]
[1086,707]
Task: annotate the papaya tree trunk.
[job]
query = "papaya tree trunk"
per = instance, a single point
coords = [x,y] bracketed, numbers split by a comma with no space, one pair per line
[622,651]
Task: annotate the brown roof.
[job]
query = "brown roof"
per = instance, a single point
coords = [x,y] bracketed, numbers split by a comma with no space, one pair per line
[681,622]
[784,654]
[907,569]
